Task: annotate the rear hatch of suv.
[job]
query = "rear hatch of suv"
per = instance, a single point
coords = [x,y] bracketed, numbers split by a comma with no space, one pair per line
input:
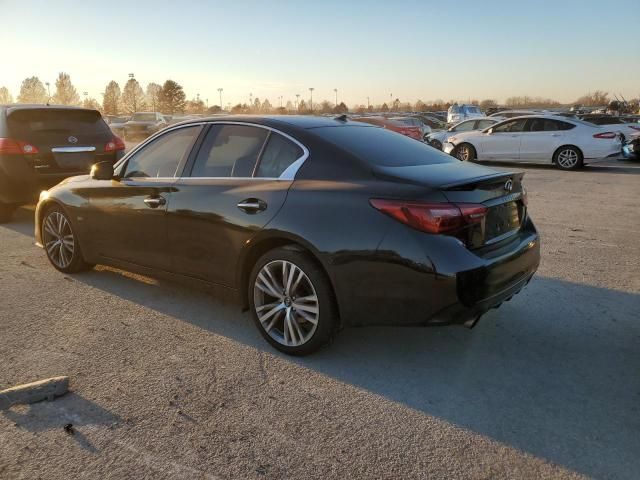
[62,141]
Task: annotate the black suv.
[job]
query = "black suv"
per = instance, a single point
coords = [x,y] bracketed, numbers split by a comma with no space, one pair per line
[40,145]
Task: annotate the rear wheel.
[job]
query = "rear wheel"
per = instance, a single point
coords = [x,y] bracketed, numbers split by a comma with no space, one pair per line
[568,158]
[464,152]
[6,212]
[292,302]
[61,243]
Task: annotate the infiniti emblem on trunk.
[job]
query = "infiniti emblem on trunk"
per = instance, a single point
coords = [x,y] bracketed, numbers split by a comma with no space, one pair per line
[72,139]
[508,186]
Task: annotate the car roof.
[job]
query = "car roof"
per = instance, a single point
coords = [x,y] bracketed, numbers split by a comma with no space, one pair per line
[304,122]
[35,106]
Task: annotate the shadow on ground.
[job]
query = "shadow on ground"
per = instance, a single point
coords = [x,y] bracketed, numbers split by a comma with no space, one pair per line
[555,372]
[70,409]
[604,166]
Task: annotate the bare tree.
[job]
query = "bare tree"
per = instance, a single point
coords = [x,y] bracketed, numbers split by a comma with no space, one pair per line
[66,93]
[111,98]
[132,97]
[32,91]
[91,102]
[154,92]
[5,95]
[597,98]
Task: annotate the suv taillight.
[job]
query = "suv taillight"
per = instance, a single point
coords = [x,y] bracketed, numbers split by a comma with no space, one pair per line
[9,146]
[115,144]
[443,218]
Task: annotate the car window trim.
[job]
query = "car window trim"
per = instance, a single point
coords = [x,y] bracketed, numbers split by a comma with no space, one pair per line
[288,174]
[122,163]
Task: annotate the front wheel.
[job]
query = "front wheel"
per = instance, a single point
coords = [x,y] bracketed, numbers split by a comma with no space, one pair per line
[61,242]
[464,152]
[568,158]
[292,302]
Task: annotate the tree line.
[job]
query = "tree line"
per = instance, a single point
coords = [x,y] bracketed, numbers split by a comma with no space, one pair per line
[170,98]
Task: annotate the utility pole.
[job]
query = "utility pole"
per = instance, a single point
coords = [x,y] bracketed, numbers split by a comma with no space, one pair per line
[297,100]
[311,89]
[368,105]
[336,91]
[220,92]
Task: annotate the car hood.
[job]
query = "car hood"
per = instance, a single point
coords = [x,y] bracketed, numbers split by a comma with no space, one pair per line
[440,135]
[463,135]
[76,179]
[439,175]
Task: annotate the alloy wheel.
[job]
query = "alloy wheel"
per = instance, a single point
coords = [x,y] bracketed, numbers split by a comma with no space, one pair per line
[58,239]
[568,158]
[464,153]
[286,303]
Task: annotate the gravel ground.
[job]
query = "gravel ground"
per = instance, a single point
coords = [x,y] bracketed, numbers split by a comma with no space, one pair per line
[172,382]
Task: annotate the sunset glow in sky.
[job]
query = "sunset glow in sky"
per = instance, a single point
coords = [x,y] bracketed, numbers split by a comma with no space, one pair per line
[412,49]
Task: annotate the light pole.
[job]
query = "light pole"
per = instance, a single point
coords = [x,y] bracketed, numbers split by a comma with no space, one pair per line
[311,89]
[48,91]
[280,98]
[368,103]
[85,97]
[336,92]
[297,100]
[220,92]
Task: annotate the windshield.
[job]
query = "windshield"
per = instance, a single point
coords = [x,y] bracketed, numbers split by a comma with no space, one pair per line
[472,109]
[144,117]
[378,146]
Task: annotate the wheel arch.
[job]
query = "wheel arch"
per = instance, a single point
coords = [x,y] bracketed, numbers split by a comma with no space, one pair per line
[259,246]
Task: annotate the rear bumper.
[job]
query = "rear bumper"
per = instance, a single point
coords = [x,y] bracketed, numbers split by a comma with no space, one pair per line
[421,280]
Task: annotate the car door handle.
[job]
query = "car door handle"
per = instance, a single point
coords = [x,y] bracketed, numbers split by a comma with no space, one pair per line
[154,202]
[252,205]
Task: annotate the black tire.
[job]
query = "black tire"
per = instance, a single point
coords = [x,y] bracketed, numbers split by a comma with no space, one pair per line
[6,212]
[327,321]
[437,144]
[568,157]
[465,152]
[76,263]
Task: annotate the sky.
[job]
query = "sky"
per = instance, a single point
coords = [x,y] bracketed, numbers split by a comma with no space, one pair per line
[407,49]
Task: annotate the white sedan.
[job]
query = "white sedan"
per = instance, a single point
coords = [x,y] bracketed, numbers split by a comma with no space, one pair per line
[438,138]
[567,143]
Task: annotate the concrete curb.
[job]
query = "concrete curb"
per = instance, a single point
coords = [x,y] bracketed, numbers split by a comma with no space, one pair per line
[33,392]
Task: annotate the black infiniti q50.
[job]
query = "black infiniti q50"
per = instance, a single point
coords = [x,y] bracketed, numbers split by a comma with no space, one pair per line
[316,223]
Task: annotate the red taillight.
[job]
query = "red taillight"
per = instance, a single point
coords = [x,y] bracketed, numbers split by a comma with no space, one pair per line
[114,144]
[608,135]
[432,217]
[9,146]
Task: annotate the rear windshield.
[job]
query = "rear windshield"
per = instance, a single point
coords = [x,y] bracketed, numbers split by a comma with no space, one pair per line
[23,123]
[378,146]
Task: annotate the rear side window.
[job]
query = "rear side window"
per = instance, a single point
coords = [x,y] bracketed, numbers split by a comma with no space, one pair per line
[547,125]
[229,151]
[55,123]
[278,155]
[162,156]
[464,126]
[378,146]
[511,126]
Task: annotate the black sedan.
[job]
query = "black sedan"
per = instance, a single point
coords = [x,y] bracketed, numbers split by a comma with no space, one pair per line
[316,223]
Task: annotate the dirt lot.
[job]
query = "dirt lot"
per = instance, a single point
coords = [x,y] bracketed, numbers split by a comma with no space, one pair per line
[170,382]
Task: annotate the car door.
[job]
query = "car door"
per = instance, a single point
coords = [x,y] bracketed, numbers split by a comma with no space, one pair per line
[541,138]
[236,184]
[502,142]
[127,215]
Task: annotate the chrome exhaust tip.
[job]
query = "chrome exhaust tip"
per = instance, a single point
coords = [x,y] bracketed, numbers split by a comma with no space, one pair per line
[472,322]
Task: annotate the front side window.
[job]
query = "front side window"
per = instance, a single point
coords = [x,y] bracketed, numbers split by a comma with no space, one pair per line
[464,126]
[482,124]
[279,154]
[511,126]
[162,156]
[229,151]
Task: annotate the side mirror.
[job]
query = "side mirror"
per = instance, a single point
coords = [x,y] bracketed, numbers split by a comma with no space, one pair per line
[102,171]
[489,131]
